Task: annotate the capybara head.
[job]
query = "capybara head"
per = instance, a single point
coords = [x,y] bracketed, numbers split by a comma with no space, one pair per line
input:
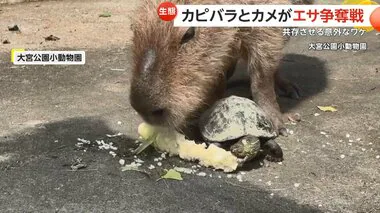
[177,71]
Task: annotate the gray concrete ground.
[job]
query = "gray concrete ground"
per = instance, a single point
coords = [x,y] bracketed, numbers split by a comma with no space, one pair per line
[44,109]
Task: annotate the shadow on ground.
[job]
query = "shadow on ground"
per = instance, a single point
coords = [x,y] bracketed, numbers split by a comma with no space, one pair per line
[36,176]
[308,73]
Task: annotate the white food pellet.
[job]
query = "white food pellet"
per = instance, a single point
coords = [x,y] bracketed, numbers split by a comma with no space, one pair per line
[323,133]
[119,122]
[134,156]
[139,160]
[159,164]
[56,141]
[269,183]
[121,161]
[320,205]
[229,176]
[323,146]
[194,166]
[358,139]
[350,140]
[163,155]
[342,156]
[347,135]
[316,114]
[296,185]
[363,149]
[276,177]
[377,156]
[160,158]
[370,143]
[155,159]
[243,173]
[112,153]
[341,141]
[219,176]
[239,177]
[210,175]
[199,166]
[291,132]
[271,194]
[350,144]
[151,166]
[202,174]
[260,180]
[280,163]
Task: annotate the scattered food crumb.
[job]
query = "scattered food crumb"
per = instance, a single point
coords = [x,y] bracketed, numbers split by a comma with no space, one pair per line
[347,135]
[358,139]
[111,136]
[184,170]
[297,185]
[316,114]
[239,177]
[194,166]
[163,155]
[122,162]
[159,164]
[229,176]
[78,164]
[377,156]
[201,174]
[363,149]
[56,141]
[243,173]
[323,133]
[342,156]
[370,143]
[119,123]
[350,144]
[291,132]
[271,194]
[320,205]
[139,160]
[159,158]
[155,159]
[269,183]
[151,166]
[340,141]
[84,141]
[219,176]
[210,175]
[260,180]
[112,153]
[131,166]
[276,177]
[350,140]
[280,163]
[323,146]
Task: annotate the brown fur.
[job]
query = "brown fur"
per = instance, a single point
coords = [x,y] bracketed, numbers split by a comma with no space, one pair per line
[186,79]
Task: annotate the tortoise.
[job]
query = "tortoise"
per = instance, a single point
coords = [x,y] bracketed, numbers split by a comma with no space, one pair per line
[243,123]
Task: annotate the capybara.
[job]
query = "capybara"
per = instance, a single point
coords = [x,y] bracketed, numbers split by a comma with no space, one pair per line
[178,72]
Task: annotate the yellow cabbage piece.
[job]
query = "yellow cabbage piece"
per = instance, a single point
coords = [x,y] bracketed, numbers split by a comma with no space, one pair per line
[175,144]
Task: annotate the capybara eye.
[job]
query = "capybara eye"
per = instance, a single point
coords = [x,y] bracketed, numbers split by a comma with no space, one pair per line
[188,35]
